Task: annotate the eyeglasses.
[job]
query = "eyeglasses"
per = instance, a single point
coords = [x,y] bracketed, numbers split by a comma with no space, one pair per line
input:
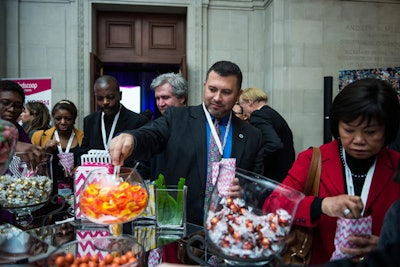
[7,103]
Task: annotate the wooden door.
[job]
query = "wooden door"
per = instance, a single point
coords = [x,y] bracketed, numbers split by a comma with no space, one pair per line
[96,70]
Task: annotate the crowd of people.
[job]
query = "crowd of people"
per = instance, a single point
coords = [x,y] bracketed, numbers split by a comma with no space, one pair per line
[358,167]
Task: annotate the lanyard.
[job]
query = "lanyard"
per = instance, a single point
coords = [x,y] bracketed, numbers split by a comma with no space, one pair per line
[367,183]
[214,132]
[103,129]
[71,138]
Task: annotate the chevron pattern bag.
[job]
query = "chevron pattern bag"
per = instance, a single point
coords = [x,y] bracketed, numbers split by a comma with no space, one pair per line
[345,228]
[298,245]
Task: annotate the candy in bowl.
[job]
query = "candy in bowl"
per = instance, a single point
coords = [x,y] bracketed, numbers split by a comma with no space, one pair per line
[26,186]
[123,251]
[107,198]
[249,226]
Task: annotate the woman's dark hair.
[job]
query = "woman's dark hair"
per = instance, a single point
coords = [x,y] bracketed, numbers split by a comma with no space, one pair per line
[369,99]
[67,105]
[7,85]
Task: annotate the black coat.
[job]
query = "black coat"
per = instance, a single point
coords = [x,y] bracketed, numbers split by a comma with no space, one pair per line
[92,139]
[278,142]
[181,134]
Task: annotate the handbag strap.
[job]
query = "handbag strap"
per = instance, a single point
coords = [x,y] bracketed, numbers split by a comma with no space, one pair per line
[314,173]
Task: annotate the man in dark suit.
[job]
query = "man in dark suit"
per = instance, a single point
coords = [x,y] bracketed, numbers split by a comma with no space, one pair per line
[111,118]
[278,139]
[184,134]
[170,90]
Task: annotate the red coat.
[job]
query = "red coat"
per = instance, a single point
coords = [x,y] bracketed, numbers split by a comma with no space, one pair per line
[384,191]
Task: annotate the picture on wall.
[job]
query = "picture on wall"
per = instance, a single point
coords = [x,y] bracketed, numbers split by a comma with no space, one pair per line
[390,74]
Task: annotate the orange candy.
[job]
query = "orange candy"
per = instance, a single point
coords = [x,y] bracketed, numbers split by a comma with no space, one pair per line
[122,202]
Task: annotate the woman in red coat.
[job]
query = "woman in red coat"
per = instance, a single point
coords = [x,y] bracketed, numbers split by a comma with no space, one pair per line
[357,168]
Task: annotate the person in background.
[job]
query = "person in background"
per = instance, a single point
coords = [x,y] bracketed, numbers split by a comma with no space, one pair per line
[111,118]
[12,99]
[277,135]
[238,111]
[36,116]
[184,134]
[387,253]
[357,168]
[63,141]
[170,90]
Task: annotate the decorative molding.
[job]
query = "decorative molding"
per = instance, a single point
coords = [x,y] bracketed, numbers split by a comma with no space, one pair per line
[162,29]
[49,1]
[375,1]
[125,40]
[81,59]
[239,4]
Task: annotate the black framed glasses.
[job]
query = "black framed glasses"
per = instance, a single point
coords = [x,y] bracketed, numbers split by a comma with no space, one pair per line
[7,103]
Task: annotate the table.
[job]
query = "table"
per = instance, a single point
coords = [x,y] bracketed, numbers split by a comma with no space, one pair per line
[37,243]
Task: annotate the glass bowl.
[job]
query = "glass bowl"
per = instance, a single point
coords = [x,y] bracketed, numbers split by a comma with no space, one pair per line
[121,250]
[108,199]
[26,186]
[17,245]
[251,226]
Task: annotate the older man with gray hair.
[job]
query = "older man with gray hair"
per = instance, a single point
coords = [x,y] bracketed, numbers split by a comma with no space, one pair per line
[170,89]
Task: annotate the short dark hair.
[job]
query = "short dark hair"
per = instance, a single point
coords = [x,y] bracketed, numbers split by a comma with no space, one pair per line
[107,79]
[7,85]
[225,69]
[67,105]
[367,98]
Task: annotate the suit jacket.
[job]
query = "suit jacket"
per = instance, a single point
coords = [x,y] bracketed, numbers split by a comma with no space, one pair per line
[181,133]
[383,193]
[389,257]
[278,141]
[390,233]
[41,137]
[128,120]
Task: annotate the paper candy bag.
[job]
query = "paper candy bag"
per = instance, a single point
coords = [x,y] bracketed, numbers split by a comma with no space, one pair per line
[67,161]
[345,228]
[224,171]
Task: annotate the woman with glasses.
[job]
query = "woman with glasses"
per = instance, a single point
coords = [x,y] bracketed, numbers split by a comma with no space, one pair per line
[12,98]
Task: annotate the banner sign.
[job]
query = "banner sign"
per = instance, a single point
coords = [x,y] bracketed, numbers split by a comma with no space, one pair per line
[36,89]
